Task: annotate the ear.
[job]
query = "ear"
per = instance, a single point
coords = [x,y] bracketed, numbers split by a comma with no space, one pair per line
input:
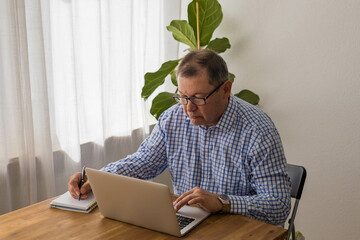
[227,89]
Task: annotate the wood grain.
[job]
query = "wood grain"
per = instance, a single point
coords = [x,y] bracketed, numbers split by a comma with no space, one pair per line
[39,221]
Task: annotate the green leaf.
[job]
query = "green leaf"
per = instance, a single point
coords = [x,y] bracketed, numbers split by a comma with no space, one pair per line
[219,45]
[155,79]
[183,32]
[248,96]
[210,17]
[161,102]
[231,77]
[173,77]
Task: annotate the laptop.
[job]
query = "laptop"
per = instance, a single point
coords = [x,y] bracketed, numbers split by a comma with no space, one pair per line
[142,203]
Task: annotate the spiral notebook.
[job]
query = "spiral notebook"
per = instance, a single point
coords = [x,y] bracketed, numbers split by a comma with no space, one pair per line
[67,202]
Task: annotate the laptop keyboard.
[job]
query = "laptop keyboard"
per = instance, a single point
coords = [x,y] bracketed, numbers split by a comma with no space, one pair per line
[184,221]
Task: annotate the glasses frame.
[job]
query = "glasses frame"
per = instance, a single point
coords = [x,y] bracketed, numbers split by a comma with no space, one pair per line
[178,98]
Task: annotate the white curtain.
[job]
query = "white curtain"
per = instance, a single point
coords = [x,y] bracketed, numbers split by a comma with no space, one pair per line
[71,73]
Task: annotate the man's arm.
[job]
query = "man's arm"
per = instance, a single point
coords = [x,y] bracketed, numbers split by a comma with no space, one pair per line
[147,162]
[269,198]
[270,185]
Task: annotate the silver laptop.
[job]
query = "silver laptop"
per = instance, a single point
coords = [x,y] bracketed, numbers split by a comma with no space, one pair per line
[142,203]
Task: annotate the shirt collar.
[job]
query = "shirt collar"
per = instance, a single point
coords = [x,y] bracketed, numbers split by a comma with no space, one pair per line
[226,122]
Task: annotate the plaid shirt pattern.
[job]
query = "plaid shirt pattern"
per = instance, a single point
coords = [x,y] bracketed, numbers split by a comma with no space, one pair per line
[241,156]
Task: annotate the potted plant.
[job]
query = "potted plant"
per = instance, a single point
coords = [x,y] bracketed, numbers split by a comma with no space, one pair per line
[204,16]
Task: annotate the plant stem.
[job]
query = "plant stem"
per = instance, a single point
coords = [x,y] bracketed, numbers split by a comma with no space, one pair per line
[197,25]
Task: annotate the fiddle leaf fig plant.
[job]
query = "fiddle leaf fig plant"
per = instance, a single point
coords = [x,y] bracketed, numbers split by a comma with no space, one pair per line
[206,19]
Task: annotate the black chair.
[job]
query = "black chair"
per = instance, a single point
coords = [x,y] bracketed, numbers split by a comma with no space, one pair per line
[297,176]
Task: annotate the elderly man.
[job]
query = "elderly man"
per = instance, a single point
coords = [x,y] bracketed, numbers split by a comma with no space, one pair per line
[223,153]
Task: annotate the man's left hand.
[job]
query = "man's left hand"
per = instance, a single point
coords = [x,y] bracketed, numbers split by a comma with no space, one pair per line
[207,200]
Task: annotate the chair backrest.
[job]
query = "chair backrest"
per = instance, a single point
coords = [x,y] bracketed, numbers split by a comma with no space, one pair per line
[297,176]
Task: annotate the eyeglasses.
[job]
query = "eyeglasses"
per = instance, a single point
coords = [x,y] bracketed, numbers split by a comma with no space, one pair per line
[195,100]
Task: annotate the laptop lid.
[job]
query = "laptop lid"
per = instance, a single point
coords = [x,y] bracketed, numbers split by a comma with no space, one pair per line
[142,203]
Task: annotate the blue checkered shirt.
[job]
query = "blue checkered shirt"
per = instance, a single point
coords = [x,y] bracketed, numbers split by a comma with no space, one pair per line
[241,156]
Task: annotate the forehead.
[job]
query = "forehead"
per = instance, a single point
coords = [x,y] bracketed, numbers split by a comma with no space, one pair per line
[194,84]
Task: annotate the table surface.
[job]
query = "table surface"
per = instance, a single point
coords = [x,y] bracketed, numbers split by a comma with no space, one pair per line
[39,221]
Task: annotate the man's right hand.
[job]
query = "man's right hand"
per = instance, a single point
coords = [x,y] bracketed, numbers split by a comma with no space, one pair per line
[73,186]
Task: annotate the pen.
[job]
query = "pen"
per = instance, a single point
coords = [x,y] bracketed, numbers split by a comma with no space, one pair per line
[82,180]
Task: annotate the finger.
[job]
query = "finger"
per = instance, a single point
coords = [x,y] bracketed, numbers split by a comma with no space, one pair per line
[185,200]
[73,194]
[197,201]
[182,199]
[178,205]
[86,188]
[73,188]
[185,195]
[84,196]
[73,185]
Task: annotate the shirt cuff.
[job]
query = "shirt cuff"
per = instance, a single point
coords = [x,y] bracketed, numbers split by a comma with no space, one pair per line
[238,205]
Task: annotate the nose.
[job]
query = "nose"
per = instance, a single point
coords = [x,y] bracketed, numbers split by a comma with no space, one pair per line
[190,107]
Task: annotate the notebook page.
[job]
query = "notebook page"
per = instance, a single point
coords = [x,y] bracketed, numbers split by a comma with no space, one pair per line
[66,200]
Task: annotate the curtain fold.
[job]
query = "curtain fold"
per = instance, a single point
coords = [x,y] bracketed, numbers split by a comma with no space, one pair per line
[71,74]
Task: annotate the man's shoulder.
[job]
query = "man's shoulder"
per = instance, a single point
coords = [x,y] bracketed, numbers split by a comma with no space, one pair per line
[173,115]
[251,115]
[173,111]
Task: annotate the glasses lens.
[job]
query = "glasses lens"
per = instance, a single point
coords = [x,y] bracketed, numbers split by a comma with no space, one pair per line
[198,101]
[180,100]
[195,101]
[183,101]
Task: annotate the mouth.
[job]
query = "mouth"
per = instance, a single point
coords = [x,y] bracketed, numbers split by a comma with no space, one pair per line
[194,117]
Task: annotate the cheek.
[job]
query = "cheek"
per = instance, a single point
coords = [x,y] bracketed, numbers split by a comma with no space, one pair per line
[204,112]
[185,109]
[210,112]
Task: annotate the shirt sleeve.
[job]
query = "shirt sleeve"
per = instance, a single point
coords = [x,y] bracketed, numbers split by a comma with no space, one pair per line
[147,162]
[269,199]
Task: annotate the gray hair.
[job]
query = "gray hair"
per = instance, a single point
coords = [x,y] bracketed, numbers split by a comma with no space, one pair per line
[196,60]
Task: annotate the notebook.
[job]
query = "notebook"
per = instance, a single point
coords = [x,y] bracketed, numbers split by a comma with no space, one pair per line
[67,202]
[142,203]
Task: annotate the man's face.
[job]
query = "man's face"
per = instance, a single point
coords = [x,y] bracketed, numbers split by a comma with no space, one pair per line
[198,86]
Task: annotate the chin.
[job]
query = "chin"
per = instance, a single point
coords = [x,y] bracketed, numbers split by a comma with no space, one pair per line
[197,121]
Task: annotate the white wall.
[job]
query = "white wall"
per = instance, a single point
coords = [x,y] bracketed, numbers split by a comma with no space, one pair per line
[303,59]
